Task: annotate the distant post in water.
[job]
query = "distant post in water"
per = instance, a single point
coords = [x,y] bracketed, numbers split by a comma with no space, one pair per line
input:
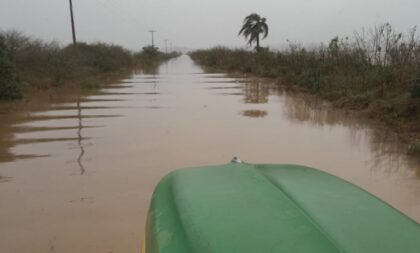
[166,46]
[72,23]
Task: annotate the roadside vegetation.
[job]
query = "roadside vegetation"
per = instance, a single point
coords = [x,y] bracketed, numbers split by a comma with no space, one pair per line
[9,84]
[27,64]
[150,58]
[377,72]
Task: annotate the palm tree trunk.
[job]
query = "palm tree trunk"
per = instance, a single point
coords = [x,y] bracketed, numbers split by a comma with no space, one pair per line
[258,43]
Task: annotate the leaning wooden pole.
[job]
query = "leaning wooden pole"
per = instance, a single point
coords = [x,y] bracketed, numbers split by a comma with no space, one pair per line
[72,23]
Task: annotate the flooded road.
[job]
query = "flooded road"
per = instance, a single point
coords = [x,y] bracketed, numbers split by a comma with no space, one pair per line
[76,175]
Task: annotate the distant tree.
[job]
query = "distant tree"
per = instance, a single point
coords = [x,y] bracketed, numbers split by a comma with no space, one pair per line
[253,26]
[151,51]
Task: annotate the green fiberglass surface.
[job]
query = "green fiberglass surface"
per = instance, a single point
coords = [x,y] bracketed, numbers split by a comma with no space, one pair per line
[272,208]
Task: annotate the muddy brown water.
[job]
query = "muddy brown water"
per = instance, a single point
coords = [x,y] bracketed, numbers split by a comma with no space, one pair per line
[76,175]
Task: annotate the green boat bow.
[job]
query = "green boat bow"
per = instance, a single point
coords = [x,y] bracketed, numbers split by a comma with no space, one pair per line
[272,208]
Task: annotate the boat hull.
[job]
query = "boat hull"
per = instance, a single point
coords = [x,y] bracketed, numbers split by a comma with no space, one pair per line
[271,208]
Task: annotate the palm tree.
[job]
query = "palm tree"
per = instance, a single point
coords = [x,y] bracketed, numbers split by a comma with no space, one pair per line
[252,27]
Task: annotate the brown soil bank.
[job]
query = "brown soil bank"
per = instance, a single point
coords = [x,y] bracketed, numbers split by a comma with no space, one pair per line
[377,73]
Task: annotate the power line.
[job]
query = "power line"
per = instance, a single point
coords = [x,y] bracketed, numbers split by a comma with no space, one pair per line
[125,16]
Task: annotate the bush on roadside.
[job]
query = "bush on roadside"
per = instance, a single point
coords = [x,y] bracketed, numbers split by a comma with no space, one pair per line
[415,89]
[376,65]
[89,85]
[41,65]
[9,84]
[151,57]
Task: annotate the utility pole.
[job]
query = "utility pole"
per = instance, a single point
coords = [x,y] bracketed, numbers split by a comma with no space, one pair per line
[166,46]
[72,23]
[153,39]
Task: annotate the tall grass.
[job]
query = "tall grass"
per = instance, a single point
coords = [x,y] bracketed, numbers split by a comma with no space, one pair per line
[378,70]
[32,63]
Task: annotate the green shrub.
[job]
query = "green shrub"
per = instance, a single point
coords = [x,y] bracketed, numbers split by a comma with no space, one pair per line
[415,89]
[150,58]
[9,84]
[346,68]
[100,57]
[42,64]
[89,85]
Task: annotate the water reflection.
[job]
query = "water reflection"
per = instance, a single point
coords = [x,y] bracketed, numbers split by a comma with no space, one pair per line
[122,141]
[43,123]
[118,86]
[231,94]
[5,179]
[255,113]
[64,117]
[223,87]
[97,100]
[256,92]
[388,148]
[150,76]
[390,153]
[300,108]
[42,140]
[5,155]
[79,136]
[150,70]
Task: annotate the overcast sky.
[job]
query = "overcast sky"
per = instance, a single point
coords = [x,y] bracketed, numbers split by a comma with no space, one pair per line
[202,23]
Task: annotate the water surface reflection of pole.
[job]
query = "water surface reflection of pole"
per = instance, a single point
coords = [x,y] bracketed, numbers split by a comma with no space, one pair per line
[79,138]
